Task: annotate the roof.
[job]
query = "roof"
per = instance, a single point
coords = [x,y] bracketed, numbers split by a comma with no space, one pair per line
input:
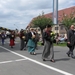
[66,11]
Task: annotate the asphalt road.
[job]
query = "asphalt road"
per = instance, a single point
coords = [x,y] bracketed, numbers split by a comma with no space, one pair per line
[16,62]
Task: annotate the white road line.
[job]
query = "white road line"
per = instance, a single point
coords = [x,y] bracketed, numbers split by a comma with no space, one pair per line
[20,59]
[3,62]
[37,62]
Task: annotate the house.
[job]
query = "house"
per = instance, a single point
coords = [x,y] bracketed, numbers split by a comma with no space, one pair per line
[60,27]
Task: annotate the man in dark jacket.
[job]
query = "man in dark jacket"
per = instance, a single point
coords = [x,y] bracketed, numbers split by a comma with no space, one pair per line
[71,41]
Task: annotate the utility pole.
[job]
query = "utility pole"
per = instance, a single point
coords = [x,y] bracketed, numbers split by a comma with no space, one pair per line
[55,12]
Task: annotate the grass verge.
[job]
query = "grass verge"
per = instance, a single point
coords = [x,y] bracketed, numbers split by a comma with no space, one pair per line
[60,44]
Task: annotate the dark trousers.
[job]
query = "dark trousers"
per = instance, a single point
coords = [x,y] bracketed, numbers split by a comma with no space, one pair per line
[71,50]
[2,41]
[36,44]
[22,44]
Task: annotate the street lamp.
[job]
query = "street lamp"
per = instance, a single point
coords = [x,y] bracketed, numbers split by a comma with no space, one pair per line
[55,11]
[16,25]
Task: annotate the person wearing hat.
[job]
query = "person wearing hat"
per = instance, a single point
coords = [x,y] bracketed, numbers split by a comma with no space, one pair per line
[48,45]
[71,41]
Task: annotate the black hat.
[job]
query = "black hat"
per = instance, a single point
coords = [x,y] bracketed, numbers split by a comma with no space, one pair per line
[48,26]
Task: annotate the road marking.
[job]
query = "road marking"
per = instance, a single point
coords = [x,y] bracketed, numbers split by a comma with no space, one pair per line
[3,62]
[37,62]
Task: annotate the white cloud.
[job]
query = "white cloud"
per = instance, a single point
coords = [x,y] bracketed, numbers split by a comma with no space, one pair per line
[66,3]
[20,12]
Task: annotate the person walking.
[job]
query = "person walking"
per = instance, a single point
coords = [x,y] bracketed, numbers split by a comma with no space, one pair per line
[22,38]
[12,39]
[3,38]
[36,39]
[48,45]
[26,38]
[71,41]
[31,42]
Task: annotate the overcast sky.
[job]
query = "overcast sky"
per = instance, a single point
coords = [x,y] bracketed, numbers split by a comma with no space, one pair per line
[18,13]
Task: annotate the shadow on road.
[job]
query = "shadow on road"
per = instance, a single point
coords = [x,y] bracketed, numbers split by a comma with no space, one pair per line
[62,59]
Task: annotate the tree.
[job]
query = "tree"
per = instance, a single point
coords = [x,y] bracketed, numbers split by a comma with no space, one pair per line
[41,22]
[68,20]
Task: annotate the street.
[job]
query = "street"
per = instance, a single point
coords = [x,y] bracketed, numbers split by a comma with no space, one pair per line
[13,61]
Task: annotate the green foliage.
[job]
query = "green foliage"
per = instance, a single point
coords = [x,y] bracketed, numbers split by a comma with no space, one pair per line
[42,21]
[61,44]
[2,28]
[68,20]
[52,36]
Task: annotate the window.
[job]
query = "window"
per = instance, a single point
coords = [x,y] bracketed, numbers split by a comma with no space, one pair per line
[56,28]
[61,27]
